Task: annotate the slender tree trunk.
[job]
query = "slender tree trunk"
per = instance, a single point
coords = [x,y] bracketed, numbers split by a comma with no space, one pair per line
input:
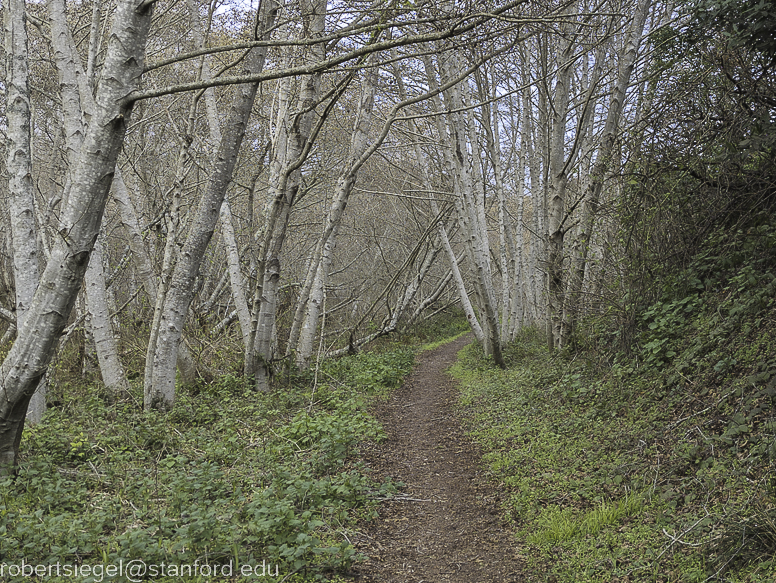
[468,203]
[345,184]
[455,272]
[291,146]
[604,161]
[105,342]
[466,304]
[537,241]
[300,312]
[94,42]
[235,273]
[76,94]
[140,256]
[411,290]
[433,297]
[523,280]
[508,254]
[227,227]
[558,180]
[171,251]
[160,392]
[21,203]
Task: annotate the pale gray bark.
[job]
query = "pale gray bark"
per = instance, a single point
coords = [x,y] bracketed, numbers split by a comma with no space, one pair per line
[557,183]
[455,272]
[273,208]
[105,341]
[170,254]
[300,311]
[429,301]
[21,203]
[453,132]
[521,311]
[291,144]
[227,227]
[235,273]
[73,85]
[466,304]
[345,184]
[79,226]
[94,42]
[347,179]
[511,300]
[76,93]
[160,383]
[537,243]
[216,292]
[413,287]
[140,255]
[603,164]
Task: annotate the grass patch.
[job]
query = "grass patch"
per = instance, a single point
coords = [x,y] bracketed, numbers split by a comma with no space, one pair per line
[612,473]
[433,345]
[557,524]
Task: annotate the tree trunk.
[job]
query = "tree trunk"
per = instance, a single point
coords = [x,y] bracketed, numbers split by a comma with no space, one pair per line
[78,100]
[21,204]
[160,391]
[345,184]
[235,273]
[140,256]
[468,203]
[601,167]
[105,343]
[433,297]
[455,272]
[558,180]
[291,145]
[412,289]
[80,221]
[227,227]
[508,255]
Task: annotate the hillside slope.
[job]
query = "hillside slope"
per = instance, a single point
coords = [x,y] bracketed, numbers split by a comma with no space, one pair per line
[654,463]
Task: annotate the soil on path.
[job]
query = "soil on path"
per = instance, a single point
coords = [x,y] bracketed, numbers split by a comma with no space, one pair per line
[445,525]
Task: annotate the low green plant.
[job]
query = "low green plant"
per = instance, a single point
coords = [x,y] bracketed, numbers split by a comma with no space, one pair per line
[230,476]
[563,524]
[640,466]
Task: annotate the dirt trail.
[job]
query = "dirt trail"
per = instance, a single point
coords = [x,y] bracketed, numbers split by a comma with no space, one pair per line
[445,524]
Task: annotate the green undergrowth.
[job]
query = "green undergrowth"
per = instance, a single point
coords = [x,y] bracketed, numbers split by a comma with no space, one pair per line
[656,465]
[436,344]
[231,481]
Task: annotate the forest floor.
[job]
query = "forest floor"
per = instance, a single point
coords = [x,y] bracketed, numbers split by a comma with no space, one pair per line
[445,524]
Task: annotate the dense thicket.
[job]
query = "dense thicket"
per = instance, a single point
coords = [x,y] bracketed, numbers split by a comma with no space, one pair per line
[706,157]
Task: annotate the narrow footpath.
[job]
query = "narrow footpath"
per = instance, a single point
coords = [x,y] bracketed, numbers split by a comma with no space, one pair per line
[445,524]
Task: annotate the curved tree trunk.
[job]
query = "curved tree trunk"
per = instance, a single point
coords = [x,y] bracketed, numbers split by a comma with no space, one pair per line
[345,184]
[291,145]
[601,168]
[80,221]
[160,383]
[468,203]
[78,100]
